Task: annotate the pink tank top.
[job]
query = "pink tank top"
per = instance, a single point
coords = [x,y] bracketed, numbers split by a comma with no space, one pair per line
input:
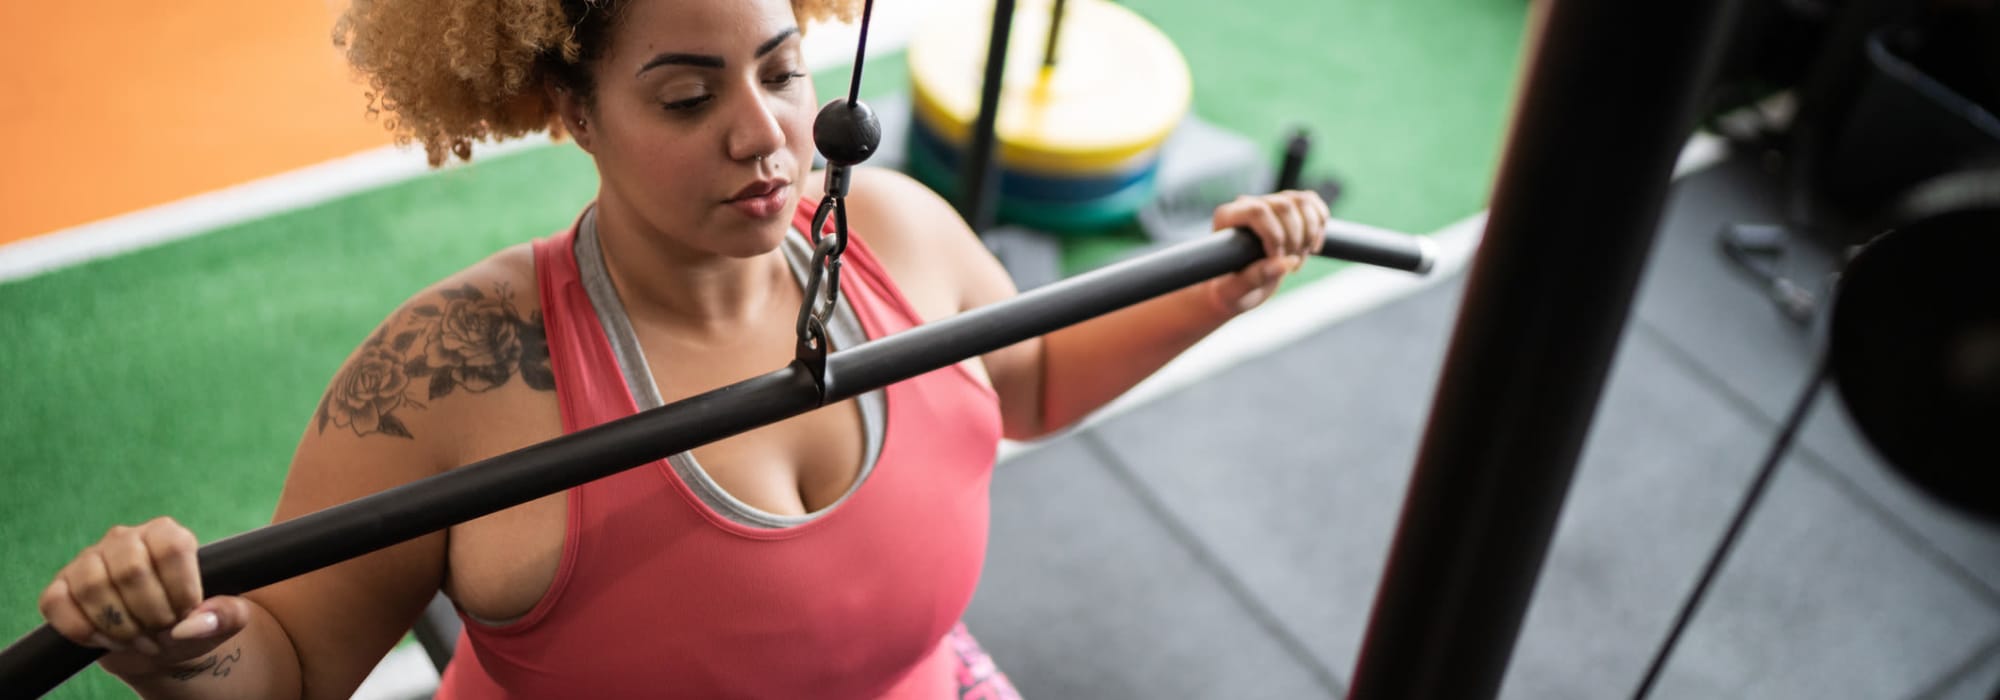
[658,595]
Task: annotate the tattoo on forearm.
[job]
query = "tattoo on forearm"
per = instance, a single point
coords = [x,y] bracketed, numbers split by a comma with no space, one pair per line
[474,342]
[112,618]
[215,666]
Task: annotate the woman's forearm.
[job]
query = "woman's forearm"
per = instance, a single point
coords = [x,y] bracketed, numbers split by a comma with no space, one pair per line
[258,662]
[1087,365]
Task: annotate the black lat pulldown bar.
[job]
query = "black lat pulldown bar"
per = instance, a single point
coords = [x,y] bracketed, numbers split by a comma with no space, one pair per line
[43,659]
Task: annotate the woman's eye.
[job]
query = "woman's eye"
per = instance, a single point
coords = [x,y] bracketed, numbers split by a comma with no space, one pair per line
[687,104]
[780,80]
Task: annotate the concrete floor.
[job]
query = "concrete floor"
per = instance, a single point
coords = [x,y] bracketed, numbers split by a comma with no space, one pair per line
[1226,541]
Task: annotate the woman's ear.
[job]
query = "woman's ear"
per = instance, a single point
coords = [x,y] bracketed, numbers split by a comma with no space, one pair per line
[574,113]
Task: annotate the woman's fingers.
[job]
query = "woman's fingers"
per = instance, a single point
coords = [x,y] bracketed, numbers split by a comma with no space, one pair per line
[1243,212]
[130,566]
[133,589]
[1325,219]
[91,591]
[1289,224]
[217,618]
[173,550]
[1292,232]
[1257,214]
[1313,217]
[60,609]
[1244,290]
[1314,213]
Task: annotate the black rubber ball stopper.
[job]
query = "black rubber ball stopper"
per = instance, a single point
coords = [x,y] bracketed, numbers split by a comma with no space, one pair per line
[846,133]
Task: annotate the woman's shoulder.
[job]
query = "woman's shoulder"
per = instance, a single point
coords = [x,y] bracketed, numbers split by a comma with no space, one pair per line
[469,325]
[918,237]
[505,278]
[447,351]
[891,210]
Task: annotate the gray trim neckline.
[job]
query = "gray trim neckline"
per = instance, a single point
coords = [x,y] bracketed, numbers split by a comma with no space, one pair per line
[845,329]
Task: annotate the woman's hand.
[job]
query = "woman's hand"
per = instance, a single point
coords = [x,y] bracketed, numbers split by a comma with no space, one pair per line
[137,594]
[1291,225]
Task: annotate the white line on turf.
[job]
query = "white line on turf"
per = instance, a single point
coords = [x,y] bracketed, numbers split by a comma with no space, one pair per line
[210,211]
[825,45]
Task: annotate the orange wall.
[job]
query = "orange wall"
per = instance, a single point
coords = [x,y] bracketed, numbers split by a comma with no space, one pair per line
[106,108]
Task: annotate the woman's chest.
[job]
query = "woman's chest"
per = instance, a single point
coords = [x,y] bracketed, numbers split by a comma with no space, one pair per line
[924,494]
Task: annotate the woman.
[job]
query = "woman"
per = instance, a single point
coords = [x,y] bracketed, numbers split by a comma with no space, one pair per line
[829,555]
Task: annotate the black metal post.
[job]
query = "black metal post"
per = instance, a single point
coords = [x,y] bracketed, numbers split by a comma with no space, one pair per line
[43,659]
[979,182]
[1608,101]
[1292,163]
[1055,33]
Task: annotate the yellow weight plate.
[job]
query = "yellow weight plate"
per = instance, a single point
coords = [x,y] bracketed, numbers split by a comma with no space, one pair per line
[1118,86]
[1019,157]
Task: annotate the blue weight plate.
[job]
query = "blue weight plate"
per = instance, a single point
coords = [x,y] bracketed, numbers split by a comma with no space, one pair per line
[1041,188]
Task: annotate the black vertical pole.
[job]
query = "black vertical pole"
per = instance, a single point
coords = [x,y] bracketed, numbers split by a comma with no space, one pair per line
[1055,33]
[979,184]
[1608,100]
[1292,163]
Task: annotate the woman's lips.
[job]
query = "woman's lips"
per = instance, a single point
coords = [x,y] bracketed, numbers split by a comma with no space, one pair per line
[763,206]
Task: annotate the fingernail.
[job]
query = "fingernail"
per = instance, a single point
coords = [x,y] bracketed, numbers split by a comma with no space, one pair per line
[103,642]
[145,646]
[196,626]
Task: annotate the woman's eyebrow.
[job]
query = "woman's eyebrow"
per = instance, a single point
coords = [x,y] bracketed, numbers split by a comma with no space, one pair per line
[710,61]
[775,40]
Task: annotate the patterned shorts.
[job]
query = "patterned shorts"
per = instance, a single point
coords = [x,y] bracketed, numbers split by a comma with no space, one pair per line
[978,677]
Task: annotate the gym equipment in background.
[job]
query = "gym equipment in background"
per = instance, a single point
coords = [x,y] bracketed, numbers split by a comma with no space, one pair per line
[1077,122]
[1914,349]
[1914,342]
[1883,95]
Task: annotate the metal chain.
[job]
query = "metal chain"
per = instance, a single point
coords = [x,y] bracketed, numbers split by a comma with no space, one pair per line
[846,133]
[823,287]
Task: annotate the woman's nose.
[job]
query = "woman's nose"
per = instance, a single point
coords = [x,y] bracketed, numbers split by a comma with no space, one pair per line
[755,132]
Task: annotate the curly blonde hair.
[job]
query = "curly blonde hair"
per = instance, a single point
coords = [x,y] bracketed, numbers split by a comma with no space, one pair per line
[450,72]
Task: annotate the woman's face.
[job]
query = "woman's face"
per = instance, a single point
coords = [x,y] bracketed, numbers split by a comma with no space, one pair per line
[703,107]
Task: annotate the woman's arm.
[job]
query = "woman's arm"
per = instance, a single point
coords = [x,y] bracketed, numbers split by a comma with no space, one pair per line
[256,662]
[1081,368]
[136,593]
[314,636]
[1048,383]
[399,411]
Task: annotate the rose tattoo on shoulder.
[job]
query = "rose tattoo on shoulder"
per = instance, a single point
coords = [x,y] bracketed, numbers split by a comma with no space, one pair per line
[472,341]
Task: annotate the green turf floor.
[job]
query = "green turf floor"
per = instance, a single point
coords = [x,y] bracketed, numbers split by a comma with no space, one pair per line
[178,379]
